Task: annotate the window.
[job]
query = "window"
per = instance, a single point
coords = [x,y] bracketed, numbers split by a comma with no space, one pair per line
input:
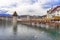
[58,14]
[53,15]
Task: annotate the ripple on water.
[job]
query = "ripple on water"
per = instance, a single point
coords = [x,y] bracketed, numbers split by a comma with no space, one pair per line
[22,32]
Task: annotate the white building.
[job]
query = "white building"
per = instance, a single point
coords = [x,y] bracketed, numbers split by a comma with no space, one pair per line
[53,12]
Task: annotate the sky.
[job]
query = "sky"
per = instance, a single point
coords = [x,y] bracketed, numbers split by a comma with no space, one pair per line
[27,7]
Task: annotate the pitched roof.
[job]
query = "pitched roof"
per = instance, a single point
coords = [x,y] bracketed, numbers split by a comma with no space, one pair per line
[53,9]
[15,14]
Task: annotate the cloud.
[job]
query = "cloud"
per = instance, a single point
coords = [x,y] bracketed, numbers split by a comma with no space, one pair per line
[27,7]
[3,11]
[36,8]
[51,3]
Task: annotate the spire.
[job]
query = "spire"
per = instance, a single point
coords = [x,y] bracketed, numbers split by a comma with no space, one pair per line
[15,14]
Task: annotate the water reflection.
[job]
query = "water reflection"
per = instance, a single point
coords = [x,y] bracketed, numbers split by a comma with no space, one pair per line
[23,32]
[15,30]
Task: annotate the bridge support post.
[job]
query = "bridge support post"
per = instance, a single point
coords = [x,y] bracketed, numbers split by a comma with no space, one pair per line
[37,24]
[47,26]
[33,24]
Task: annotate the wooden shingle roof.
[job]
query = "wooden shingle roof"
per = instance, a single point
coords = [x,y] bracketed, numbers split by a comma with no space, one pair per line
[15,14]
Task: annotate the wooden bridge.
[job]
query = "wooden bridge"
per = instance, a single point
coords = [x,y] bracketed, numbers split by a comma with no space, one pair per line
[37,22]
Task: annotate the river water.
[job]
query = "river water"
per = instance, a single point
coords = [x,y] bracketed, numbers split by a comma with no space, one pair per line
[23,32]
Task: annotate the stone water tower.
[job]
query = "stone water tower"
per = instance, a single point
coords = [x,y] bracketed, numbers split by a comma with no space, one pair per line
[15,19]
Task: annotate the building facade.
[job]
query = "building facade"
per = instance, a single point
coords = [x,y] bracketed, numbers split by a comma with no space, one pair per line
[51,13]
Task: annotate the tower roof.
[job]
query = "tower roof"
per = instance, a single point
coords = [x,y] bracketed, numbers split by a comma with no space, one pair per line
[15,14]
